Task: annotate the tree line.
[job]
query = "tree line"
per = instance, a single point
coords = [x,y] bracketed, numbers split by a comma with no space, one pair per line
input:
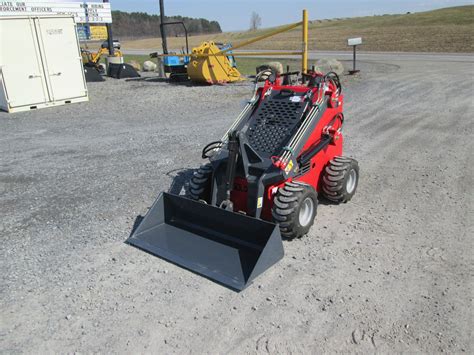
[140,24]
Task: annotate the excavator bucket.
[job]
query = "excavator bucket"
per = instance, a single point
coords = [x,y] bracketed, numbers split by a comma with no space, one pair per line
[229,248]
[212,69]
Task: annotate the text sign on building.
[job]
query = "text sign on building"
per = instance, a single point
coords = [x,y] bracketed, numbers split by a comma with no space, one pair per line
[83,11]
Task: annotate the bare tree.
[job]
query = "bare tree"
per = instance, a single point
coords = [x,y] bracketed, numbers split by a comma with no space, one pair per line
[255,21]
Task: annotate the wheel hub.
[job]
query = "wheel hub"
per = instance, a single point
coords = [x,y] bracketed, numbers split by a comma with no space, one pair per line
[351,181]
[306,212]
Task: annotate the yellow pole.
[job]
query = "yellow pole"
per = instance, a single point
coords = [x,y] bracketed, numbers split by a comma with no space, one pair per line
[270,34]
[304,57]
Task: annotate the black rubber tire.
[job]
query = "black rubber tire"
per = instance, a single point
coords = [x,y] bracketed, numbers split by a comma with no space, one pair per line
[287,204]
[199,187]
[335,179]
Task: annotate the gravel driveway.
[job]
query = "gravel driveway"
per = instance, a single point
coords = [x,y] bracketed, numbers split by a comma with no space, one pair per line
[391,271]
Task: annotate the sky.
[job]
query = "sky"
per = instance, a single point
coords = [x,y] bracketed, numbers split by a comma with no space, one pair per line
[234,15]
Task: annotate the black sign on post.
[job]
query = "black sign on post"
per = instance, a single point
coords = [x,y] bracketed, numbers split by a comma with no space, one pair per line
[354,42]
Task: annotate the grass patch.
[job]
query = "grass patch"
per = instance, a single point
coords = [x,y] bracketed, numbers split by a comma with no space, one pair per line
[245,65]
[137,58]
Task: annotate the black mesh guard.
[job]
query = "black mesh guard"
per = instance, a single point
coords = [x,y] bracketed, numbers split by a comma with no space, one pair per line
[275,121]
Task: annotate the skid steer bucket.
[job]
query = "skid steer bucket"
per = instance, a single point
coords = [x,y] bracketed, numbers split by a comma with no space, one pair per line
[224,246]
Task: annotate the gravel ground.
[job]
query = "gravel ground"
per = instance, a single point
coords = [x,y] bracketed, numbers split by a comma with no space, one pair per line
[391,271]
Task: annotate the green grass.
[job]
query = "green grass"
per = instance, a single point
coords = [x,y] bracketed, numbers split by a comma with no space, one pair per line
[138,58]
[246,66]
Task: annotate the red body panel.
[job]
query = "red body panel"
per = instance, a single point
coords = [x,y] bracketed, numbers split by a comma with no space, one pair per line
[333,119]
[239,194]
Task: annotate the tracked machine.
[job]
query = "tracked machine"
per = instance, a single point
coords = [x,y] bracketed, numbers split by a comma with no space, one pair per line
[262,182]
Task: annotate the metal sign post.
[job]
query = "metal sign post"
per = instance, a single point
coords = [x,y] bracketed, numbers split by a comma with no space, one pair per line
[110,39]
[354,42]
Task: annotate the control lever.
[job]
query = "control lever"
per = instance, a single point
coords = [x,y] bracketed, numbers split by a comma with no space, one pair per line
[233,147]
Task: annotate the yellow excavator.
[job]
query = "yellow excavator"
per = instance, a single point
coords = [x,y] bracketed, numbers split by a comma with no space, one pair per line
[92,59]
[116,68]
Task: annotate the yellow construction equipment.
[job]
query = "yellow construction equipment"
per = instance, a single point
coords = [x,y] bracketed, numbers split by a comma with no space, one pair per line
[93,58]
[115,67]
[214,63]
[212,69]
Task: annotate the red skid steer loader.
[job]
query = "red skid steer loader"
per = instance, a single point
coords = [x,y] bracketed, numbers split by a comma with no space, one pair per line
[261,183]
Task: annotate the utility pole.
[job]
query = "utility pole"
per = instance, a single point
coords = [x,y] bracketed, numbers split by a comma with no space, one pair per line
[162,27]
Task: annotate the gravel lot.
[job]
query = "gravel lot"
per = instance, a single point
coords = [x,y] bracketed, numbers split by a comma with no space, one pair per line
[391,271]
